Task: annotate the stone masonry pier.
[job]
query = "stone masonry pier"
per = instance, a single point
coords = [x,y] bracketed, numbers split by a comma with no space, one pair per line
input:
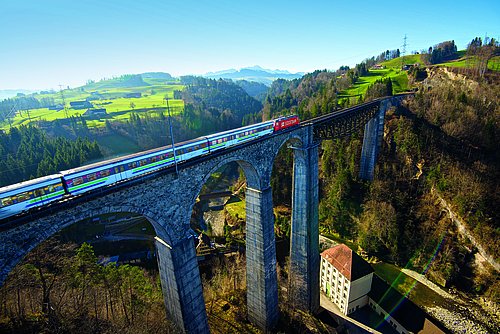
[166,199]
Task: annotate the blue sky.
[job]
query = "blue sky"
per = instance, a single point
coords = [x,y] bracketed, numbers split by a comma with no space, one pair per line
[44,43]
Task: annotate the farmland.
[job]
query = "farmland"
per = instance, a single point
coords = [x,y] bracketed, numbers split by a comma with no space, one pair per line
[118,103]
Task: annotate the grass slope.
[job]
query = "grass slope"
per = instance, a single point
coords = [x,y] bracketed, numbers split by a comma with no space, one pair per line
[396,63]
[462,61]
[399,82]
[417,292]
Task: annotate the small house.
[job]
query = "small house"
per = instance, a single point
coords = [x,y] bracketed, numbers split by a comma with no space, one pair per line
[95,112]
[81,104]
[133,95]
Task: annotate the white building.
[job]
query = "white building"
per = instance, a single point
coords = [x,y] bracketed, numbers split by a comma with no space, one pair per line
[349,282]
[345,278]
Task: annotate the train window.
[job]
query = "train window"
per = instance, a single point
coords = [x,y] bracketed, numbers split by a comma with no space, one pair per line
[77,181]
[91,177]
[122,168]
[40,192]
[58,187]
[105,172]
[7,201]
[23,197]
[20,198]
[49,189]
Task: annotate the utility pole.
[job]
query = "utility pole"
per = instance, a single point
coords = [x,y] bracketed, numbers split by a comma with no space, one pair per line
[403,53]
[172,135]
[63,101]
[11,114]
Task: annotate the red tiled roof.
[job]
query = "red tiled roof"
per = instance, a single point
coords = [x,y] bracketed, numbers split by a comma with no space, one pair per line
[347,262]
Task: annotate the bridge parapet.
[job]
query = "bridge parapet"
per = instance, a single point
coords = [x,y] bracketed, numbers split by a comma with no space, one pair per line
[348,121]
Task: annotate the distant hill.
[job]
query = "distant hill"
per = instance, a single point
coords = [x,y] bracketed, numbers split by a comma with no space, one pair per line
[256,90]
[7,93]
[124,81]
[156,75]
[254,73]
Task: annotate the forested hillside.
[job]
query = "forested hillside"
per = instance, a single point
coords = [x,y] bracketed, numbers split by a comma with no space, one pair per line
[442,142]
[27,152]
[212,105]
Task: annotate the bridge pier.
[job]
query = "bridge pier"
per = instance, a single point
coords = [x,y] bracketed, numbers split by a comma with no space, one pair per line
[262,284]
[372,140]
[304,245]
[181,285]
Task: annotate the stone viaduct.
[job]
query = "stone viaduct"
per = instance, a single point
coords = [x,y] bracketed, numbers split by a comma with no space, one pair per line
[166,199]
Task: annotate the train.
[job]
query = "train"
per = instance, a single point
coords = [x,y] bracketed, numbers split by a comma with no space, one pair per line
[25,196]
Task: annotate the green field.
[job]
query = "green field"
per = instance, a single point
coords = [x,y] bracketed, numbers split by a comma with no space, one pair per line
[396,63]
[462,61]
[117,106]
[236,207]
[399,82]
[493,63]
[406,285]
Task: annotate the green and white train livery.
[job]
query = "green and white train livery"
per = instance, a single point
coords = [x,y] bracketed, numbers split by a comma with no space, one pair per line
[38,192]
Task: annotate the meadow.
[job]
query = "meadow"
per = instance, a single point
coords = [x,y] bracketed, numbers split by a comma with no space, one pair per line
[399,82]
[118,107]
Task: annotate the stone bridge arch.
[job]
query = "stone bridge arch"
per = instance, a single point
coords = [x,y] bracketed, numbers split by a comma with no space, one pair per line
[166,199]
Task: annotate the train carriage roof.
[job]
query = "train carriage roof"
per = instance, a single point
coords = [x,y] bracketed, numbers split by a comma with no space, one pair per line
[256,125]
[29,183]
[128,157]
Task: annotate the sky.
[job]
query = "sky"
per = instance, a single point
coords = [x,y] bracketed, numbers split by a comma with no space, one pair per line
[47,43]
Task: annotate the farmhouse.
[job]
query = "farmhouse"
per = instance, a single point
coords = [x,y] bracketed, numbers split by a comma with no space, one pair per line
[95,112]
[80,104]
[133,95]
[349,282]
[56,107]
